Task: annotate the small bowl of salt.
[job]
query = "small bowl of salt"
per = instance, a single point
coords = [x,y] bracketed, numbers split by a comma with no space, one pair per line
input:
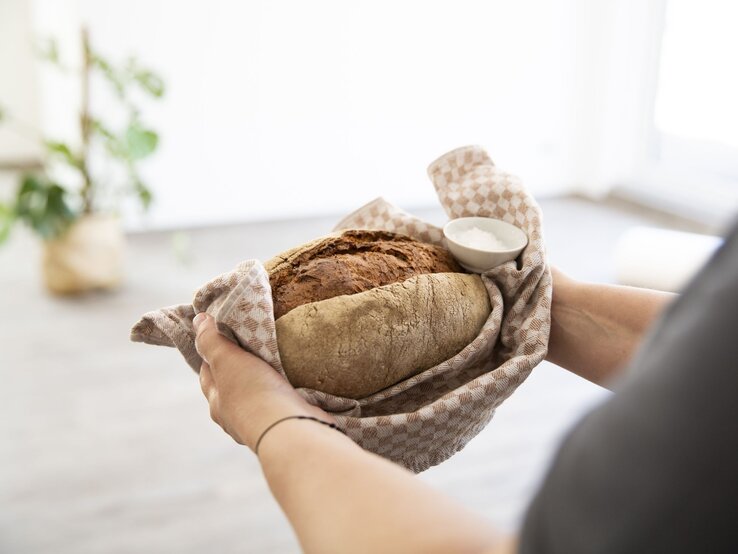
[481,243]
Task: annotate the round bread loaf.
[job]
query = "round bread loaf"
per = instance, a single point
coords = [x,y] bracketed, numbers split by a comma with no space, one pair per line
[359,311]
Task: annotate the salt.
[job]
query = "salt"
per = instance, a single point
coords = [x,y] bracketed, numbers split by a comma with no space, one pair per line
[474,237]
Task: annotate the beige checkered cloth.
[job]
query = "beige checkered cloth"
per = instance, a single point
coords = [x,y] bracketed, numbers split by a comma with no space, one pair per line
[425,419]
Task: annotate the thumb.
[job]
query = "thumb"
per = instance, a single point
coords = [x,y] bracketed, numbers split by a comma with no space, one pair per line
[209,342]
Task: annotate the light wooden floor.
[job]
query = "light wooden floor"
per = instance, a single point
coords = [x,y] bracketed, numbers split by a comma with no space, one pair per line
[106,446]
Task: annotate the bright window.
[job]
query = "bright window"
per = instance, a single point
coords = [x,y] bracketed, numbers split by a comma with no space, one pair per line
[696,109]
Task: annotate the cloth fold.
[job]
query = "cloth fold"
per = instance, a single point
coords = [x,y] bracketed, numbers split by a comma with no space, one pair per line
[425,419]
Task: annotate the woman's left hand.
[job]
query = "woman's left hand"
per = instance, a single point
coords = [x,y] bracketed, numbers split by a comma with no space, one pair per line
[245,394]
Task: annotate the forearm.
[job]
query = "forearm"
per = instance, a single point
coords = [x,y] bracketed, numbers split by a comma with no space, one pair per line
[340,498]
[596,329]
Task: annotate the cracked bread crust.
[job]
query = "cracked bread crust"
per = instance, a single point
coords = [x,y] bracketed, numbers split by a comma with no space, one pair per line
[350,262]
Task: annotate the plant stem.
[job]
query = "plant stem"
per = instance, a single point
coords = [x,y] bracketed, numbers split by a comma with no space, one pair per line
[85,124]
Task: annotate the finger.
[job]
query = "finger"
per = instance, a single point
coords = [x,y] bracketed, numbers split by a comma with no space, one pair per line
[207,384]
[210,344]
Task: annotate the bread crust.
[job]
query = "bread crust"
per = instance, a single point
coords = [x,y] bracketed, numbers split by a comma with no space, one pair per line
[350,262]
[356,345]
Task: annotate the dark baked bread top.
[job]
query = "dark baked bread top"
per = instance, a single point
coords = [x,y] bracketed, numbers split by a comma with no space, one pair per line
[355,261]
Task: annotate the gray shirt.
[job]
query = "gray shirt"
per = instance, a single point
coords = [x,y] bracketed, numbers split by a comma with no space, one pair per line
[655,469]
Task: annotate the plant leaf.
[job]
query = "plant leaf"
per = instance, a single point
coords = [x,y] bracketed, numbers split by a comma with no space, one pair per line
[2,113]
[42,205]
[29,184]
[114,144]
[141,142]
[113,76]
[150,82]
[144,194]
[63,151]
[7,219]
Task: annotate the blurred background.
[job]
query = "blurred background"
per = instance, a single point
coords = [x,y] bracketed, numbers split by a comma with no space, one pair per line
[222,130]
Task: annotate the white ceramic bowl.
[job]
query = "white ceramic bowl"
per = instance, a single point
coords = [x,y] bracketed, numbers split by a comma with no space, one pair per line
[479,261]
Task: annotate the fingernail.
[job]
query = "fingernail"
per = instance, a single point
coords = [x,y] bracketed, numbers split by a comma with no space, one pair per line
[199,318]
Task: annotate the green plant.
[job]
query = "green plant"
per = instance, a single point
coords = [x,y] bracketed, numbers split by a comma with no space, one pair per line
[49,206]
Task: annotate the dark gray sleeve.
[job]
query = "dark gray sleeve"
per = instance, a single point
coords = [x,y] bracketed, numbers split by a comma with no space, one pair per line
[655,469]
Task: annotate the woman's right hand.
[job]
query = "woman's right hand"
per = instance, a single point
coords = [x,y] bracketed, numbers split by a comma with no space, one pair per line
[246,395]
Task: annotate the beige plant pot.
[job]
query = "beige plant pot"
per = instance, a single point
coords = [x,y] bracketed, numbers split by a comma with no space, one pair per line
[88,256]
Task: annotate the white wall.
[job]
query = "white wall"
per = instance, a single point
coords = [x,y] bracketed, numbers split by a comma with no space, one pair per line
[18,87]
[279,108]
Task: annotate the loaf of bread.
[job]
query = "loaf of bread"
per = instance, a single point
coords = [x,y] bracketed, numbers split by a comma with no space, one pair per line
[359,311]
[351,262]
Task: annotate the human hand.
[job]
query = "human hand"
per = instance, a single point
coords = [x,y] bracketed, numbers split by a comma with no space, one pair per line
[597,328]
[561,281]
[245,394]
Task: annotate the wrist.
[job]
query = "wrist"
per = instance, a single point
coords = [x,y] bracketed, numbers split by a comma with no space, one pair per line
[305,440]
[563,287]
[565,315]
[259,416]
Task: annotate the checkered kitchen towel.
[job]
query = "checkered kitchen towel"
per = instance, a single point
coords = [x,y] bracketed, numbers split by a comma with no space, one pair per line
[425,419]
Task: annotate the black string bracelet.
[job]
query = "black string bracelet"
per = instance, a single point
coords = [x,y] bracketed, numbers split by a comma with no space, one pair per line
[311,418]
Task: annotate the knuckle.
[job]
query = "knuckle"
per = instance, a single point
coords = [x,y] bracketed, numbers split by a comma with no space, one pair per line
[235,436]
